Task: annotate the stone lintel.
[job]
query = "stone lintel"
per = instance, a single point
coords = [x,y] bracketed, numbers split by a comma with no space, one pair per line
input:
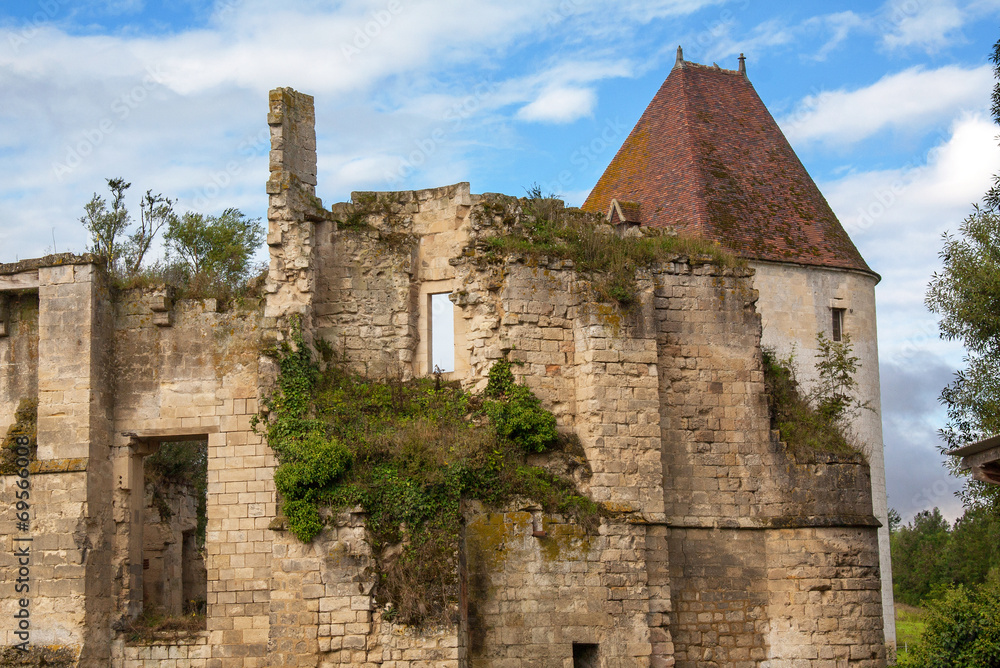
[21,281]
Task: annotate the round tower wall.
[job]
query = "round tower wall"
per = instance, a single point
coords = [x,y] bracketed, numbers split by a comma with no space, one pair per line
[796,303]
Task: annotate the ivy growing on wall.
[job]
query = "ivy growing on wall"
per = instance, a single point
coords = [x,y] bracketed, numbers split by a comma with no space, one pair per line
[407,453]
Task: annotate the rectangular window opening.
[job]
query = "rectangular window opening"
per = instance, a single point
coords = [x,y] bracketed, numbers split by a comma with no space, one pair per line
[585,655]
[441,337]
[838,324]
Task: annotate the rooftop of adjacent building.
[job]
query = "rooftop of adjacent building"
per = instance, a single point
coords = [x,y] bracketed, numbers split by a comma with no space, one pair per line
[708,159]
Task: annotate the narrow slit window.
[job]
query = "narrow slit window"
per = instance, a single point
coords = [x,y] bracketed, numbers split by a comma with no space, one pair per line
[585,655]
[838,324]
[441,338]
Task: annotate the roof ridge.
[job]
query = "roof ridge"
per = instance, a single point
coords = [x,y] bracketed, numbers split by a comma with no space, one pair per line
[714,67]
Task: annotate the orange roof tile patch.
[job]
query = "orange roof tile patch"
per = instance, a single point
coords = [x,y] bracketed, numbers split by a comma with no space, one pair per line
[708,159]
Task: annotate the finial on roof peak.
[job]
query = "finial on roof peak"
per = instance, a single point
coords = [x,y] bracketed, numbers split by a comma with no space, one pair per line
[680,57]
[743,65]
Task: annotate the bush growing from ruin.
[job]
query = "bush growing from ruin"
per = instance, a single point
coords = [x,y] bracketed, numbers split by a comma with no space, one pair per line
[814,421]
[407,453]
[539,226]
[214,249]
[207,256]
[515,412]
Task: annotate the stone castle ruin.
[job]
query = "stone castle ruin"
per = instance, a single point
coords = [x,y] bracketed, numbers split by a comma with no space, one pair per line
[726,548]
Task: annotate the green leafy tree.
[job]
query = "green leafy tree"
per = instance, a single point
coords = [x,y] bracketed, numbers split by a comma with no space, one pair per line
[215,248]
[966,295]
[155,212]
[992,198]
[107,225]
[918,551]
[834,393]
[894,520]
[963,630]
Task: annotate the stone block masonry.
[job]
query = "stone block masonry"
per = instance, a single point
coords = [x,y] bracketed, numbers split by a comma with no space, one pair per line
[719,546]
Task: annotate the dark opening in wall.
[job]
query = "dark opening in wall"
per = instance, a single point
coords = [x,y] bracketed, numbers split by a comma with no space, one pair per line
[838,324]
[585,655]
[173,533]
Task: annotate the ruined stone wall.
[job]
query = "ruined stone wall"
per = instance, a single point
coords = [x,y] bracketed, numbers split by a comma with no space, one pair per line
[374,308]
[324,612]
[538,584]
[668,402]
[189,370]
[811,573]
[718,545]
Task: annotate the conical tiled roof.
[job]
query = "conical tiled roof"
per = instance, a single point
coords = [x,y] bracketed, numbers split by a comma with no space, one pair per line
[707,158]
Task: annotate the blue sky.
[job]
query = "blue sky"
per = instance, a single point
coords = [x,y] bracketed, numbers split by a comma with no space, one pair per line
[886,105]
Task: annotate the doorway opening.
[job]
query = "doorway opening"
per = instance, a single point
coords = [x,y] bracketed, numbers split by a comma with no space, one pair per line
[585,655]
[174,519]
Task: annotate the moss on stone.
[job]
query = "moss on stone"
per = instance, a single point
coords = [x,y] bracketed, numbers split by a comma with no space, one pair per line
[25,426]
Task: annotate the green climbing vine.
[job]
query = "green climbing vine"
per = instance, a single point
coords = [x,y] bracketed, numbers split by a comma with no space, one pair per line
[407,452]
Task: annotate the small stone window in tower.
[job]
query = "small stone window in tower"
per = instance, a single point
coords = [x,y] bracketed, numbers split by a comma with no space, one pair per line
[838,324]
[441,337]
[585,655]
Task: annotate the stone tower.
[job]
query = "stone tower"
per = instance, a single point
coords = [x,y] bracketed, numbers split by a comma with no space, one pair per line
[708,160]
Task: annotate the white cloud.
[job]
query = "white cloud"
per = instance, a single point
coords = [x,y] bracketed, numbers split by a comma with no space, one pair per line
[907,100]
[840,25]
[896,218]
[760,40]
[560,105]
[926,24]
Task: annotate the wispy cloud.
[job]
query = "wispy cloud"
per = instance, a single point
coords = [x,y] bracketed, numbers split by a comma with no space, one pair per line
[560,105]
[839,25]
[761,39]
[925,24]
[911,99]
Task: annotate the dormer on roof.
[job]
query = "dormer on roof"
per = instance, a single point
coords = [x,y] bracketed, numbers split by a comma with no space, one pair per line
[708,159]
[620,213]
